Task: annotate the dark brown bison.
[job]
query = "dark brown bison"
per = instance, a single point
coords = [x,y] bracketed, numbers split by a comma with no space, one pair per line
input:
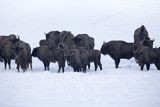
[78,59]
[140,34]
[43,42]
[47,42]
[66,38]
[84,40]
[23,55]
[47,54]
[7,44]
[54,36]
[146,56]
[8,54]
[94,56]
[147,42]
[118,50]
[6,39]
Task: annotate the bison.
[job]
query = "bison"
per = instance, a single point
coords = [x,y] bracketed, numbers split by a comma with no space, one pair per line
[8,54]
[147,42]
[78,59]
[117,50]
[47,42]
[54,36]
[84,40]
[66,38]
[6,39]
[146,56]
[140,34]
[47,54]
[23,55]
[95,56]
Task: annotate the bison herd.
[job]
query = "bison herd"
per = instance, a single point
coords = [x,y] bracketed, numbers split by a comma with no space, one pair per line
[78,51]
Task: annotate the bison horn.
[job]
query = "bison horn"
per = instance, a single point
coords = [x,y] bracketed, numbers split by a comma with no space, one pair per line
[44,33]
[18,37]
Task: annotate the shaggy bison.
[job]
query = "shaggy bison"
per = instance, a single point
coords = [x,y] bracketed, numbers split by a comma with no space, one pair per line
[84,40]
[8,53]
[78,59]
[140,34]
[117,50]
[94,56]
[23,55]
[146,56]
[47,54]
[54,36]
[66,38]
[7,39]
[47,42]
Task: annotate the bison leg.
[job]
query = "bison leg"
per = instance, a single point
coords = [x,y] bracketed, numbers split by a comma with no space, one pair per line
[62,69]
[1,59]
[117,61]
[74,68]
[5,64]
[148,66]
[30,62]
[100,66]
[88,65]
[31,66]
[95,65]
[18,67]
[142,66]
[63,65]
[59,65]
[9,64]
[45,66]
[157,66]
[84,68]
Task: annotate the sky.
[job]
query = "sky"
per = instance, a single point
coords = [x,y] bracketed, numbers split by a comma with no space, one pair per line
[102,19]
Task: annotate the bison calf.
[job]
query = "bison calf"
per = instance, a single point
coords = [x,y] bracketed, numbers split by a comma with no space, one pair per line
[95,56]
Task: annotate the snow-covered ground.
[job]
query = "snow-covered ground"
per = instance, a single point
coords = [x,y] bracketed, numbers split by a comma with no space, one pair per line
[123,87]
[104,20]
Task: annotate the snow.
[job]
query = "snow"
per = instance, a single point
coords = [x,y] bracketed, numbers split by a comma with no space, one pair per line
[104,20]
[126,86]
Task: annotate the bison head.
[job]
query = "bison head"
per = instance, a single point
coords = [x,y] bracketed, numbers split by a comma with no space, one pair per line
[143,33]
[104,48]
[13,38]
[76,40]
[147,42]
[52,34]
[34,52]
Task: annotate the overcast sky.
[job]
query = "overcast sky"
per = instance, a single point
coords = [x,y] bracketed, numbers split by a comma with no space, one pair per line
[110,18]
